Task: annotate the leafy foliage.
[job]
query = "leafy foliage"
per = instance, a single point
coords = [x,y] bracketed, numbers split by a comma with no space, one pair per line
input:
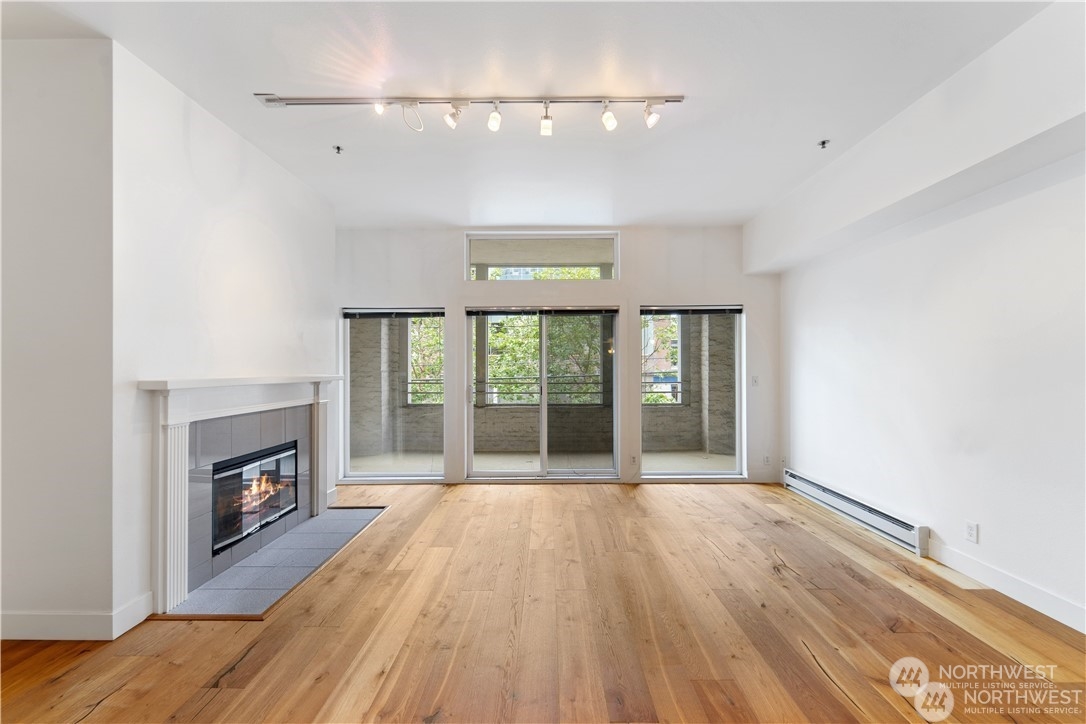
[427,360]
[574,363]
[549,273]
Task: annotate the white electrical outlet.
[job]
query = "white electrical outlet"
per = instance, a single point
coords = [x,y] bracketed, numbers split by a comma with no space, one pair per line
[972,531]
[633,460]
[765,460]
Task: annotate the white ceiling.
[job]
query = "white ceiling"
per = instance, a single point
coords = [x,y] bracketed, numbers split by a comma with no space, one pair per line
[764,82]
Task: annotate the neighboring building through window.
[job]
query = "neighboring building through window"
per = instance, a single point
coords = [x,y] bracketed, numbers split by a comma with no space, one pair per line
[661,370]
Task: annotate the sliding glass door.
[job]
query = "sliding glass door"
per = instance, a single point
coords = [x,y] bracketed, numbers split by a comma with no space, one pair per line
[690,399]
[542,393]
[507,389]
[395,393]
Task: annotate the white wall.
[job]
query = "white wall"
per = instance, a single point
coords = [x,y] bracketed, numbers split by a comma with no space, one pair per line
[939,374]
[57,343]
[426,267]
[142,240]
[222,261]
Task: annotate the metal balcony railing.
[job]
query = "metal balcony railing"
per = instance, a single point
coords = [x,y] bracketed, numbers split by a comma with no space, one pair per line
[656,392]
[561,390]
[426,391]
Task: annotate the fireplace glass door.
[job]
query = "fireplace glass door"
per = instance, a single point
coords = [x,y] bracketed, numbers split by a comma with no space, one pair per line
[251,492]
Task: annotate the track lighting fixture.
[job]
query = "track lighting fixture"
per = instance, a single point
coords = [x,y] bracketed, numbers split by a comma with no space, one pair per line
[651,116]
[413,107]
[608,118]
[412,118]
[453,116]
[546,123]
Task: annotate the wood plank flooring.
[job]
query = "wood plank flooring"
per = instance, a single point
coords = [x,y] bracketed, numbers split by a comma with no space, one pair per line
[581,603]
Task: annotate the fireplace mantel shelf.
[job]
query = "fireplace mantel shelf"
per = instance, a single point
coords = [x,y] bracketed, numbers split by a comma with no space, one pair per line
[195,384]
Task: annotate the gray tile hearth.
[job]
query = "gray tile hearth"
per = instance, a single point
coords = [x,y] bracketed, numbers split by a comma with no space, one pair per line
[253,584]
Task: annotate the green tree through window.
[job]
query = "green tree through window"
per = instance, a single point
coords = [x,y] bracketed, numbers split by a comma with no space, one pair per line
[426,350]
[575,359]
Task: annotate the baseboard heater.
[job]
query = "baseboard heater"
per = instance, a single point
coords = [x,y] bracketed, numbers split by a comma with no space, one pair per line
[906,535]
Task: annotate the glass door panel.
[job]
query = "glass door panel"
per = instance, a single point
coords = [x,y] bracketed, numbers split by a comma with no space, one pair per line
[506,394]
[579,359]
[689,393]
[396,393]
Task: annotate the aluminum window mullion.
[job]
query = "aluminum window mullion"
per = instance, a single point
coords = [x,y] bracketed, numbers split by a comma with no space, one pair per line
[544,403]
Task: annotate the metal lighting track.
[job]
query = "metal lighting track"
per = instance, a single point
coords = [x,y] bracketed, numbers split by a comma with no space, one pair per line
[271,100]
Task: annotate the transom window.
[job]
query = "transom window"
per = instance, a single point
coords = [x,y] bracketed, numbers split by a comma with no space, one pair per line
[559,258]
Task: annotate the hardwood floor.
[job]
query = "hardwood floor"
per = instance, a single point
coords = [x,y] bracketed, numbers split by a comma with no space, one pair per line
[539,603]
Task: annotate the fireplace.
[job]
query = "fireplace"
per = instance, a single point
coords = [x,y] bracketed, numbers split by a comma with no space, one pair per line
[252,491]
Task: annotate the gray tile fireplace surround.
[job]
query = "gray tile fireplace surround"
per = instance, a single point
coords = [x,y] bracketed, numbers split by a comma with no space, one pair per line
[220,438]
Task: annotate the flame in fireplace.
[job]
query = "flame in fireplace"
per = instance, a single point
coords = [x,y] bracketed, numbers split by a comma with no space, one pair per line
[256,493]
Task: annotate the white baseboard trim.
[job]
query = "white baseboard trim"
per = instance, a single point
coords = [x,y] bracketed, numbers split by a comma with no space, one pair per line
[331,497]
[75,625]
[1050,604]
[132,613]
[57,625]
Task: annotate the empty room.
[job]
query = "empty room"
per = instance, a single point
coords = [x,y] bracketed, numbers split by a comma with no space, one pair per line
[543,361]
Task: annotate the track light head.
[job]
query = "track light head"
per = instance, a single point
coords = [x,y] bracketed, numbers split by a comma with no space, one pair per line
[608,118]
[413,108]
[651,116]
[495,120]
[453,116]
[546,123]
[379,108]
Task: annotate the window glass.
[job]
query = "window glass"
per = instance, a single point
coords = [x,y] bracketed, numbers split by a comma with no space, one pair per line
[395,394]
[511,366]
[661,373]
[426,361]
[536,259]
[512,360]
[689,392]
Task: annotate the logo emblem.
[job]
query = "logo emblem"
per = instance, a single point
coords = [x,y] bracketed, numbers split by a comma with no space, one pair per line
[908,675]
[934,701]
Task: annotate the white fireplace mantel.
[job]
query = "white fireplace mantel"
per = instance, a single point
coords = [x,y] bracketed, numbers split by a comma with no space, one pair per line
[179,402]
[188,384]
[188,400]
